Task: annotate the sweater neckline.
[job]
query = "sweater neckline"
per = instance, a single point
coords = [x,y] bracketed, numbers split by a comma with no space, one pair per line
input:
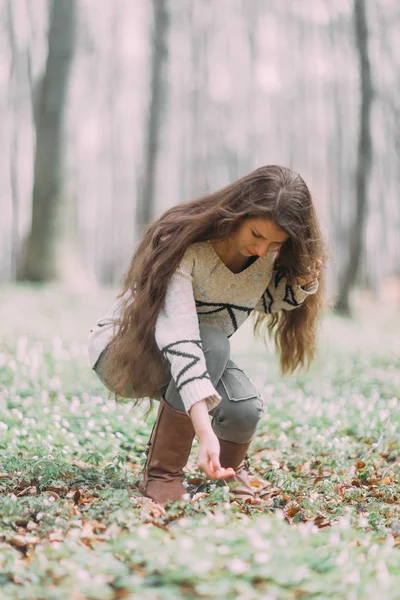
[227,269]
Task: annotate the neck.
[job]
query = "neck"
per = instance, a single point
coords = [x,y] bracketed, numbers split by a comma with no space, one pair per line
[230,255]
[227,248]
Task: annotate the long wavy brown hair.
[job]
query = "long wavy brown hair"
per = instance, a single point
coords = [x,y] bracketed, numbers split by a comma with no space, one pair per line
[134,361]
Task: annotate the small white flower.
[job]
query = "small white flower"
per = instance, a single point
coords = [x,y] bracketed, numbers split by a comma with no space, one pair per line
[237,566]
[262,557]
[186,543]
[203,566]
[362,521]
[342,558]
[184,522]
[382,573]
[352,577]
[334,538]
[143,532]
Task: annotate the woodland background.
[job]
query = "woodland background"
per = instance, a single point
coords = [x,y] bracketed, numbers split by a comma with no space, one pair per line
[111,112]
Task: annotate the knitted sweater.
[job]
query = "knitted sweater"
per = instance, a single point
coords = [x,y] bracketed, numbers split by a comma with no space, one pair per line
[204,290]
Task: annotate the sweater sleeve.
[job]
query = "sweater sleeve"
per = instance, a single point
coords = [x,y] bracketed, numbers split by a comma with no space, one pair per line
[177,335]
[280,295]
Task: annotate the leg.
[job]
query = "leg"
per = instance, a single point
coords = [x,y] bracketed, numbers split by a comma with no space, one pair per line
[172,436]
[237,416]
[235,421]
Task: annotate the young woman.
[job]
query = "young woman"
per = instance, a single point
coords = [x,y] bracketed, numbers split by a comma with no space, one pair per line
[253,247]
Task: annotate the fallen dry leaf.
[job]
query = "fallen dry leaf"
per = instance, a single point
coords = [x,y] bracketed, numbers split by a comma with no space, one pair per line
[199,496]
[151,508]
[56,536]
[24,540]
[387,480]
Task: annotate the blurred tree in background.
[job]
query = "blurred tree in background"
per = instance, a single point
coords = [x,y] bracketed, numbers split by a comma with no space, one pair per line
[154,103]
[42,255]
[364,155]
[158,93]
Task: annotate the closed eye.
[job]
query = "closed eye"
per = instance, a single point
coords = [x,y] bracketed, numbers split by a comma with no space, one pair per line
[256,235]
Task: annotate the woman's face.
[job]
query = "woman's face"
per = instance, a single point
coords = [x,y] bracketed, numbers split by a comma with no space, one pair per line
[258,237]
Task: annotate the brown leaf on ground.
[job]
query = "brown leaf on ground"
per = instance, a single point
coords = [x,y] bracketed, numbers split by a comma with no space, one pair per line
[25,540]
[254,501]
[292,511]
[56,536]
[199,496]
[82,497]
[150,508]
[259,482]
[305,467]
[195,480]
[321,522]
[387,480]
[87,533]
[56,488]
[31,490]
[98,525]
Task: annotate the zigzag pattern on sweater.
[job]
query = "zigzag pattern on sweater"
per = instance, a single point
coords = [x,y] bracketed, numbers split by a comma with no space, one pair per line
[222,306]
[289,297]
[175,349]
[267,307]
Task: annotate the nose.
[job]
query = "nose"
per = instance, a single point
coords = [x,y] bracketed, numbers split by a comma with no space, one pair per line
[262,249]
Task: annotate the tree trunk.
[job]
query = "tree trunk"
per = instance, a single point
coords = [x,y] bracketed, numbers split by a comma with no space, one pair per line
[14,146]
[364,160]
[40,256]
[158,92]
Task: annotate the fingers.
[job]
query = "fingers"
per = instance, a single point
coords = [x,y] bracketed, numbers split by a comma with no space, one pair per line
[318,265]
[313,272]
[215,466]
[213,469]
[220,473]
[226,473]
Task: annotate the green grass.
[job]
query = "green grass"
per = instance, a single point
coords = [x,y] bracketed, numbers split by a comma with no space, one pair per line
[73,525]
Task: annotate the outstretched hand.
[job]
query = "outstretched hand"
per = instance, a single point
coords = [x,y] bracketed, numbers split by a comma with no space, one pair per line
[314,272]
[208,459]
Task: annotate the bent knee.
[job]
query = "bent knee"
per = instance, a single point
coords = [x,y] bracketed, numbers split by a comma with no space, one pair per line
[240,420]
[237,417]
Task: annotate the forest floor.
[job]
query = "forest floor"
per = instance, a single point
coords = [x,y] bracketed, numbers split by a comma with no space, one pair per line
[73,525]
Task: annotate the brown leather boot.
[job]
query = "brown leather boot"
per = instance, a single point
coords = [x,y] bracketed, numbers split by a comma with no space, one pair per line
[167,453]
[234,455]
